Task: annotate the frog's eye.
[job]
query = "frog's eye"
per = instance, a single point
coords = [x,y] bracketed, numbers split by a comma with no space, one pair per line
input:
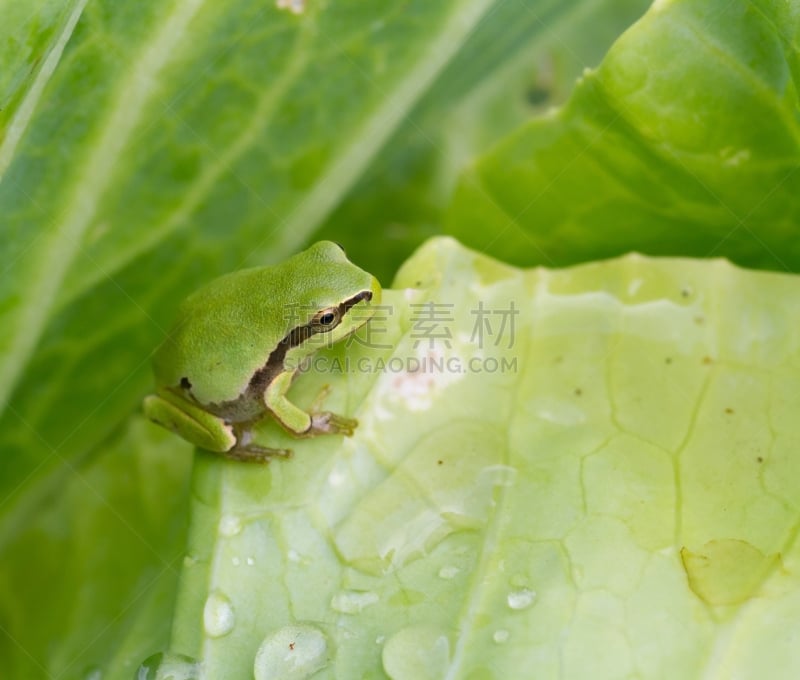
[326,320]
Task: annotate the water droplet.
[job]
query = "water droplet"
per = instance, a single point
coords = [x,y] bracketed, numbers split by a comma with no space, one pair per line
[218,617]
[501,636]
[417,653]
[501,475]
[521,599]
[250,561]
[353,601]
[189,561]
[379,640]
[291,653]
[93,673]
[561,413]
[337,477]
[235,561]
[230,525]
[167,666]
[448,572]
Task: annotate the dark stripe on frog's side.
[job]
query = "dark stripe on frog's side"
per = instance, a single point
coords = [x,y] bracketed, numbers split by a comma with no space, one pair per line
[297,336]
[249,405]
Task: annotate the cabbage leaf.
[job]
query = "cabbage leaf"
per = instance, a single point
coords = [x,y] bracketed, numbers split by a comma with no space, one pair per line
[605,487]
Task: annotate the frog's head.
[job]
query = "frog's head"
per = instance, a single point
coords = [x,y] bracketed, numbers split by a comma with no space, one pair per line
[336,297]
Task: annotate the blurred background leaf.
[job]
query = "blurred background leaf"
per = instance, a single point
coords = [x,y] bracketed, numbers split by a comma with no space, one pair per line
[685,141]
[90,583]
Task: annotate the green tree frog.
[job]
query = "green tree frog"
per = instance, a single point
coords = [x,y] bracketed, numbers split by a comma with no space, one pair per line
[237,344]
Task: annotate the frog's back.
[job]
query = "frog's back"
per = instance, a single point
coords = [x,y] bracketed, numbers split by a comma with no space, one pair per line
[224,332]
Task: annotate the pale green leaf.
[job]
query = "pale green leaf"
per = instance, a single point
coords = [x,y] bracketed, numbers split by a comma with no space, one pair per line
[617,499]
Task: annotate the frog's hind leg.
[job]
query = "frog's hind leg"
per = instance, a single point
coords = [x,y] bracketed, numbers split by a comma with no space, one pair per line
[256,454]
[194,424]
[247,451]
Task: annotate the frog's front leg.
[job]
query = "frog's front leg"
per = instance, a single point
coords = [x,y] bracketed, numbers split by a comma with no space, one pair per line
[296,420]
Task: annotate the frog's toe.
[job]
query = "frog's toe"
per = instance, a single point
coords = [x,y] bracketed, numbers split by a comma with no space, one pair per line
[331,423]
